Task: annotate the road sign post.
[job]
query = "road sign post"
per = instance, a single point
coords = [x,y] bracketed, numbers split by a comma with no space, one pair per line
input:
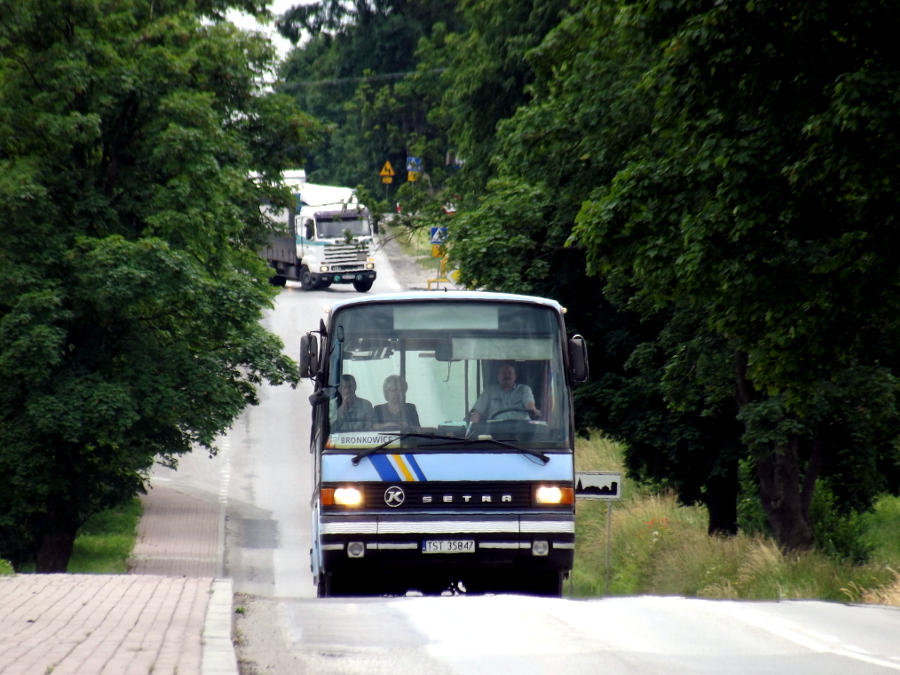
[603,486]
[387,177]
[438,235]
[413,168]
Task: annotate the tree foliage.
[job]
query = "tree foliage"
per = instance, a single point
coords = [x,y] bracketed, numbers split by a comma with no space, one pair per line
[130,287]
[764,199]
[586,108]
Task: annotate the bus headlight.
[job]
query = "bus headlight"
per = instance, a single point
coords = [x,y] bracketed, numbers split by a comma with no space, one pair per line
[342,496]
[554,495]
[323,268]
[347,497]
[370,266]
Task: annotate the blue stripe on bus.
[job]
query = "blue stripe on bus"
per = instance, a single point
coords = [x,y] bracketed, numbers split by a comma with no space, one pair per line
[385,469]
[411,459]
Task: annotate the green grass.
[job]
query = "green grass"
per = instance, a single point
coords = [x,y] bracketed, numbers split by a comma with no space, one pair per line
[415,244]
[659,547]
[104,543]
[6,568]
[884,530]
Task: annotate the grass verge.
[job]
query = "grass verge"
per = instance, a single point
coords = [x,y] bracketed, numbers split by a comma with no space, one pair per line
[415,244]
[660,547]
[104,543]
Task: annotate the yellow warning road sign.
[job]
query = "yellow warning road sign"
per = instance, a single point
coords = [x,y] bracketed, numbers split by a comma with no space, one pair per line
[387,170]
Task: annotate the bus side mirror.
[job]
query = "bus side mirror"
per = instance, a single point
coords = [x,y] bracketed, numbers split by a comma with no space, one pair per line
[578,360]
[309,355]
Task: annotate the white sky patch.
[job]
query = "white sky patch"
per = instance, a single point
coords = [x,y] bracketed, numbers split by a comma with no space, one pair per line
[277,7]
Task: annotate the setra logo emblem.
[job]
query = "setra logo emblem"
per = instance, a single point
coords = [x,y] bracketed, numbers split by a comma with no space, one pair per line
[394,496]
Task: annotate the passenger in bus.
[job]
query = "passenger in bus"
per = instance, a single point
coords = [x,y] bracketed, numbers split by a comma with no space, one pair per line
[396,412]
[516,400]
[353,413]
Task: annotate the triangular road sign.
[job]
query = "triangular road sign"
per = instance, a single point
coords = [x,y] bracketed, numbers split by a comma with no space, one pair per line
[387,170]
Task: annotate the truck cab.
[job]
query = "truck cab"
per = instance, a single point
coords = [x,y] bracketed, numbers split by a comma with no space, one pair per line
[329,238]
[334,245]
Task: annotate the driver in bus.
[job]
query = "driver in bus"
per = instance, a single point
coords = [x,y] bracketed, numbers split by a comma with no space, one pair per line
[516,400]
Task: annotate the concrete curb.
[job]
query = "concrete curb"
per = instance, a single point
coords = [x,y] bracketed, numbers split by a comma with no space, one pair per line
[218,648]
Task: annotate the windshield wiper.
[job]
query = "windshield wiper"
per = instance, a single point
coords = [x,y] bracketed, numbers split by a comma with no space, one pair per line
[506,444]
[437,437]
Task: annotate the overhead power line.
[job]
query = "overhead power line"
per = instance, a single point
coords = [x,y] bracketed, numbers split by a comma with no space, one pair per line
[364,78]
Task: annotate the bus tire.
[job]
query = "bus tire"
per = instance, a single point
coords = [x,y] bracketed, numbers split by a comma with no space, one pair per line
[329,586]
[544,584]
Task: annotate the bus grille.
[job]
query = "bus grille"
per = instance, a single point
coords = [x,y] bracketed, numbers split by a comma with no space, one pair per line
[456,496]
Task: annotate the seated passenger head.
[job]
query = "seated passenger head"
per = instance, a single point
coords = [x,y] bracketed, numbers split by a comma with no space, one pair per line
[348,384]
[395,386]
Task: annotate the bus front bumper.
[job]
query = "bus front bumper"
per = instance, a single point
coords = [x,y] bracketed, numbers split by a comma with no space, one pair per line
[536,542]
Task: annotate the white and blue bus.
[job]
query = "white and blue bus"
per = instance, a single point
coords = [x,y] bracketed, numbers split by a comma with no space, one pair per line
[443,437]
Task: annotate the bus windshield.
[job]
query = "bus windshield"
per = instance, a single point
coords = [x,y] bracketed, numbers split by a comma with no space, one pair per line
[443,372]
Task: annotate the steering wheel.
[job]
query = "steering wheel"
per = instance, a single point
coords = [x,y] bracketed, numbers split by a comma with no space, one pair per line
[506,410]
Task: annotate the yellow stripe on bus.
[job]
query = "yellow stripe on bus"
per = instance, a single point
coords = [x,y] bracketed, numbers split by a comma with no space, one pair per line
[401,464]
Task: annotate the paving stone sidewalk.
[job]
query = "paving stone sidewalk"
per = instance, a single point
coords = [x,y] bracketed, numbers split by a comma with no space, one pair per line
[169,615]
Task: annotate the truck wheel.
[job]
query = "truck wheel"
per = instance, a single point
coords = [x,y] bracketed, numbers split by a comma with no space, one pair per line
[362,286]
[305,280]
[278,280]
[323,586]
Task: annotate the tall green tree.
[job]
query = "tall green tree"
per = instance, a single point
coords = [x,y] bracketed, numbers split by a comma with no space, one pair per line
[130,287]
[488,78]
[765,199]
[586,108]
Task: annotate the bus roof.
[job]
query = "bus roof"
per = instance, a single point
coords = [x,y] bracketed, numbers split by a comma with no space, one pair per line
[448,296]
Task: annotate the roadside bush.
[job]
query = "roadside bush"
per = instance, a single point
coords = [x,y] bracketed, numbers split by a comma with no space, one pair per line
[838,535]
[882,530]
[661,547]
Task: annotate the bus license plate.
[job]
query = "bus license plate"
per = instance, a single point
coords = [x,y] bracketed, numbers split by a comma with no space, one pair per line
[451,546]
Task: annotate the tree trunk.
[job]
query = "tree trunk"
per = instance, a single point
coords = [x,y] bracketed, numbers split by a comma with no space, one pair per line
[721,503]
[782,499]
[786,506]
[54,551]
